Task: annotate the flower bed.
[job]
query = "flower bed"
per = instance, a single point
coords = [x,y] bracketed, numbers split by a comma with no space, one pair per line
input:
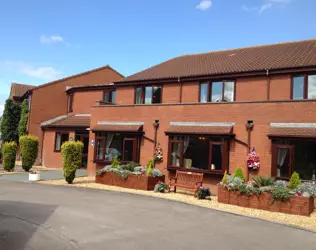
[132,181]
[295,205]
[130,176]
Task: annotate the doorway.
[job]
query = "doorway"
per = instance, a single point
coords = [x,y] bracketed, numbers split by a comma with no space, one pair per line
[83,136]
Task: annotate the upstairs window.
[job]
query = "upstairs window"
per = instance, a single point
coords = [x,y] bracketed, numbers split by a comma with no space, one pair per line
[148,95]
[109,96]
[218,91]
[60,138]
[70,104]
[304,87]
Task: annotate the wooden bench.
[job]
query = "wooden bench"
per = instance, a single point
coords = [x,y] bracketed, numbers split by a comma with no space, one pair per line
[187,180]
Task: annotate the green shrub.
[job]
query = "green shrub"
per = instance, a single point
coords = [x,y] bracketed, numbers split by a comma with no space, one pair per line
[10,121]
[115,162]
[263,181]
[24,117]
[295,181]
[9,154]
[224,180]
[72,155]
[161,187]
[280,194]
[239,173]
[29,150]
[150,167]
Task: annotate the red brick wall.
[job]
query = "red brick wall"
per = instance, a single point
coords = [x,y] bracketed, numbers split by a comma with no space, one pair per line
[251,89]
[280,88]
[261,113]
[49,101]
[82,101]
[171,93]
[125,95]
[190,92]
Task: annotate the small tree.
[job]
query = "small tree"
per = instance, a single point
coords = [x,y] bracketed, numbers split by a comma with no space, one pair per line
[24,117]
[72,155]
[115,162]
[9,154]
[29,150]
[150,167]
[239,173]
[295,181]
[224,180]
[10,121]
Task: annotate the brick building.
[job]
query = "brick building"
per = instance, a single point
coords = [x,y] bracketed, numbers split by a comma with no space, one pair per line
[212,109]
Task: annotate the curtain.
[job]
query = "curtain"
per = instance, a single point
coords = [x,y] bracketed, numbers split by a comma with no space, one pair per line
[186,143]
[282,152]
[109,139]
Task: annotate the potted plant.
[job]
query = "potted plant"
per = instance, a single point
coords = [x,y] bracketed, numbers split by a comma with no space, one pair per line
[34,175]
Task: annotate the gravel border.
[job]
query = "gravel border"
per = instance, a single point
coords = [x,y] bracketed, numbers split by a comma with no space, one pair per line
[294,221]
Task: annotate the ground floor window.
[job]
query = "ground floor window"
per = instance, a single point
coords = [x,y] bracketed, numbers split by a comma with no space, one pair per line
[198,153]
[60,138]
[108,145]
[294,155]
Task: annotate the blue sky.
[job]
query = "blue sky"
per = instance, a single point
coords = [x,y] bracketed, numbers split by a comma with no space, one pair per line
[45,40]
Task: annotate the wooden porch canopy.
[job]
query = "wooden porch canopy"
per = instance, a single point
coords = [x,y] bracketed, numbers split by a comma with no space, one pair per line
[201,128]
[292,130]
[119,127]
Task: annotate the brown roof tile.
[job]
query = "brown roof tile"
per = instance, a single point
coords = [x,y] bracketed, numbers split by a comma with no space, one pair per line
[251,59]
[211,130]
[307,132]
[18,90]
[117,128]
[71,121]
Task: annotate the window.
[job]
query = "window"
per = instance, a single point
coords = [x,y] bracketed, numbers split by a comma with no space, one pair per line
[29,102]
[198,153]
[60,138]
[109,96]
[294,155]
[304,87]
[148,95]
[218,91]
[71,100]
[109,145]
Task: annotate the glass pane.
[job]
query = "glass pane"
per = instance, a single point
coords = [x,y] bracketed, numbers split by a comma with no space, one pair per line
[113,96]
[283,162]
[148,94]
[106,97]
[157,95]
[58,142]
[175,154]
[100,149]
[217,154]
[64,138]
[85,145]
[204,92]
[217,91]
[128,150]
[298,87]
[229,91]
[138,96]
[305,159]
[311,87]
[195,152]
[114,145]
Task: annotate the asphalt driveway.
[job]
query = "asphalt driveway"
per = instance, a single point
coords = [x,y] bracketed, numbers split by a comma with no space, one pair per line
[37,216]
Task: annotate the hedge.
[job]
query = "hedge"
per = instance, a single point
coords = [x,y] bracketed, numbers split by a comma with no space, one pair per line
[71,152]
[24,117]
[29,150]
[9,153]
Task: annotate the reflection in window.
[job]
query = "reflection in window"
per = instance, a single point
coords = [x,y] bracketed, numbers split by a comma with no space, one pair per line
[298,87]
[175,154]
[204,92]
[60,138]
[229,91]
[157,94]
[148,95]
[311,87]
[138,96]
[109,96]
[196,152]
[283,162]
[217,91]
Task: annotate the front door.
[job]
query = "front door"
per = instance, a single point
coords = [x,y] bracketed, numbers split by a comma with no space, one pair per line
[84,138]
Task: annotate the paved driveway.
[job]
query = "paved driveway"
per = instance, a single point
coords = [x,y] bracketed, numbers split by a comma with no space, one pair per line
[37,216]
[45,175]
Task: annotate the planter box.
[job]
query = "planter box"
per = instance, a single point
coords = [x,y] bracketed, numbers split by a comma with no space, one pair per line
[132,181]
[34,177]
[296,205]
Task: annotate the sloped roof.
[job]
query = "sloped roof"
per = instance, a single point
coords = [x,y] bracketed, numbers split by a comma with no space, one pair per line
[18,89]
[251,59]
[77,120]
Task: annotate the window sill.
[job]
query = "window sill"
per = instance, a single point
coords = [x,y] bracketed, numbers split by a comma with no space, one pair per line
[208,172]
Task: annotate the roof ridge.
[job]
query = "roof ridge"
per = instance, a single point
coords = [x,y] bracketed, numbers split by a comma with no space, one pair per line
[248,47]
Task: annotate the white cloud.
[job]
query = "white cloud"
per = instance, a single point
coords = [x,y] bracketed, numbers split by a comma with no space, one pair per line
[46,73]
[51,39]
[265,7]
[204,5]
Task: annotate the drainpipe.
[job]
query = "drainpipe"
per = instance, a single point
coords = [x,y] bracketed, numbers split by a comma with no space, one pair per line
[180,97]
[268,87]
